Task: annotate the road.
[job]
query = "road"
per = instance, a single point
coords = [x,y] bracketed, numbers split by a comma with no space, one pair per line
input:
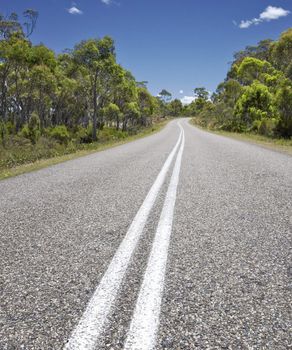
[179,240]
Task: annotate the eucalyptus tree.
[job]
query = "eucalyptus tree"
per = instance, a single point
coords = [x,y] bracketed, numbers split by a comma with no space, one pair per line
[93,55]
[124,92]
[175,108]
[131,113]
[165,95]
[10,24]
[284,105]
[147,105]
[112,114]
[201,92]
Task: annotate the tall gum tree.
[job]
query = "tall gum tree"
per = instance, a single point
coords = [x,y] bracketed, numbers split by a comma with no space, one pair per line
[93,55]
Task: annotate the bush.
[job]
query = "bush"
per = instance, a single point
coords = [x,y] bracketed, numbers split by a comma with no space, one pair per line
[60,134]
[267,127]
[24,132]
[31,130]
[83,135]
[3,133]
[110,134]
[10,128]
[284,105]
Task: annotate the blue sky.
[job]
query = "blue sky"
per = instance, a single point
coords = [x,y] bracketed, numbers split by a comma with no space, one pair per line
[174,44]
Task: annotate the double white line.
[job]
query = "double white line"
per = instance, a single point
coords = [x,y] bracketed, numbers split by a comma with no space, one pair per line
[145,321]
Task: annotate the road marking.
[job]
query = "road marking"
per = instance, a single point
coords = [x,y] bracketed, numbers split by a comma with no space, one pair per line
[145,321]
[93,321]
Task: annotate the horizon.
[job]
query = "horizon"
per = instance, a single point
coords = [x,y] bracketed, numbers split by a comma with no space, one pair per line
[179,51]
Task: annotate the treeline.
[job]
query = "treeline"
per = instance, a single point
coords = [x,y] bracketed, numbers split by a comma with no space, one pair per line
[70,96]
[256,95]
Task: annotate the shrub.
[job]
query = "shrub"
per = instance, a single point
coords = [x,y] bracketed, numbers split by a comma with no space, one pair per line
[10,128]
[267,126]
[60,134]
[284,105]
[31,130]
[110,134]
[3,133]
[254,104]
[83,135]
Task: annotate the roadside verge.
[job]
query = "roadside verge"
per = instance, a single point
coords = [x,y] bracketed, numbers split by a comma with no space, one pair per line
[280,145]
[43,163]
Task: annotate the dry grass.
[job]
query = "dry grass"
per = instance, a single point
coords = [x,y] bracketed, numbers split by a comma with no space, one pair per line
[43,163]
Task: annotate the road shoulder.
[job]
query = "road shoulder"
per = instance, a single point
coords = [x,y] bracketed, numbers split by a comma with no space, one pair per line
[277,145]
[44,163]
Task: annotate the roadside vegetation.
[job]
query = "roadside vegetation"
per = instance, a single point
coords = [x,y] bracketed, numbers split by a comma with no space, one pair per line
[54,105]
[256,96]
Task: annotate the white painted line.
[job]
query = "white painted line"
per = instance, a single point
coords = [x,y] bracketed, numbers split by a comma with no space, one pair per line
[93,321]
[145,321]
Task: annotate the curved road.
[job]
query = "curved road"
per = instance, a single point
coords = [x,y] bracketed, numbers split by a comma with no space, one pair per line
[180,240]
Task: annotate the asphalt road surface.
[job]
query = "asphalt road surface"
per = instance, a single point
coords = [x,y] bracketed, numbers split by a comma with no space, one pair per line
[179,240]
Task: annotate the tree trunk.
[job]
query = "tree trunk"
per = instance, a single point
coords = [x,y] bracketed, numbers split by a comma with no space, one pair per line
[94,119]
[125,122]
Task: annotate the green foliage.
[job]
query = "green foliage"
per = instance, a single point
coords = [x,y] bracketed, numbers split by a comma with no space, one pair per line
[265,126]
[257,93]
[3,133]
[132,110]
[53,104]
[66,100]
[60,134]
[284,105]
[201,93]
[110,134]
[165,95]
[34,125]
[31,131]
[255,103]
[175,108]
[111,112]
[251,69]
[281,55]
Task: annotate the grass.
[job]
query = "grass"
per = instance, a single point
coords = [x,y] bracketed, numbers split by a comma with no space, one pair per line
[281,145]
[10,171]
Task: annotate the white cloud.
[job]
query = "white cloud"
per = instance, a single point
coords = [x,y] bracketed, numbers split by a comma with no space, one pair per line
[272,12]
[269,14]
[107,2]
[75,11]
[181,91]
[186,100]
[245,24]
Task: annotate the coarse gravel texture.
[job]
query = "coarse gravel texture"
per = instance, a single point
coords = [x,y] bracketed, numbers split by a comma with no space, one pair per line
[59,229]
[227,281]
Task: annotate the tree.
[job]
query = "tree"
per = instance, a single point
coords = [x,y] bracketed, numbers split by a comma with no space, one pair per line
[201,100]
[228,92]
[112,113]
[67,96]
[165,96]
[147,105]
[202,93]
[284,105]
[282,52]
[9,25]
[255,103]
[92,55]
[31,16]
[260,51]
[132,113]
[142,84]
[175,108]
